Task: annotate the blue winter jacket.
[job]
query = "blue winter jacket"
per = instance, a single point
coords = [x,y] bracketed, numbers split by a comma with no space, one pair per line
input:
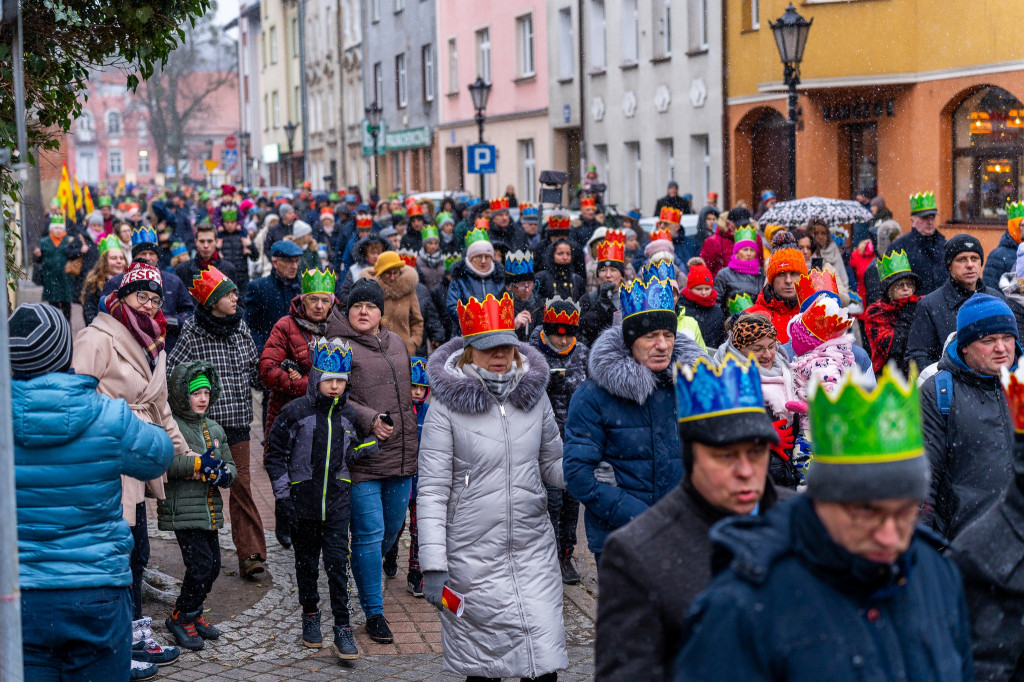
[624,415]
[71,446]
[466,283]
[1001,260]
[267,300]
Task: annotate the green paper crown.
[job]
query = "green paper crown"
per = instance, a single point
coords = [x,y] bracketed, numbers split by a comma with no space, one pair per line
[429,232]
[893,264]
[318,282]
[476,235]
[853,426]
[57,219]
[744,234]
[1014,209]
[923,201]
[450,260]
[109,243]
[739,303]
[103,201]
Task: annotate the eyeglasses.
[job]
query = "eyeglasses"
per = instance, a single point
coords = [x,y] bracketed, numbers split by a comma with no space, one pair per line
[148,299]
[757,349]
[869,516]
[233,294]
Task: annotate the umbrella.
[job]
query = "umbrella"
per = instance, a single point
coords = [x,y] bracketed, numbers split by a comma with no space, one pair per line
[834,212]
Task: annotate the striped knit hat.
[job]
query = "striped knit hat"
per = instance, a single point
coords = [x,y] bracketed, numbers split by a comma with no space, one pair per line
[40,340]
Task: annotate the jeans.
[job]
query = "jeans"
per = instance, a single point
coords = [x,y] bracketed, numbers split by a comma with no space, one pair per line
[72,635]
[564,511]
[378,511]
[200,552]
[139,558]
[310,537]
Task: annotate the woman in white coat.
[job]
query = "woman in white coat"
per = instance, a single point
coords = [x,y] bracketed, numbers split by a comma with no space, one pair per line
[489,444]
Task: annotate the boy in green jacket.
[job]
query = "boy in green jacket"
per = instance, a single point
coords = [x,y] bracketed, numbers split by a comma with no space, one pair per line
[193,507]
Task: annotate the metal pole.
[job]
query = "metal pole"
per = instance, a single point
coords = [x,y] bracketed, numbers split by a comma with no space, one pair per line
[376,176]
[480,130]
[291,166]
[792,79]
[302,85]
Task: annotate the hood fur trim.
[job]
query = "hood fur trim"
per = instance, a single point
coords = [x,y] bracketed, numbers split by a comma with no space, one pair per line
[464,394]
[613,368]
[406,283]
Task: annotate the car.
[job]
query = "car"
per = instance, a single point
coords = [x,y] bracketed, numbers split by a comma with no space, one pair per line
[436,197]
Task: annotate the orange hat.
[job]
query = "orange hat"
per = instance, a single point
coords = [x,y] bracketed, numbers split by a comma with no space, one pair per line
[786,258]
[415,210]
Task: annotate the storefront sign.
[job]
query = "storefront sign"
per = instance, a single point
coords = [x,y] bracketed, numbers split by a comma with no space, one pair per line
[846,111]
[411,138]
[368,138]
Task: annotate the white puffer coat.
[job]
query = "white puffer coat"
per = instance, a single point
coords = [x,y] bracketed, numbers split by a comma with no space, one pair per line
[482,515]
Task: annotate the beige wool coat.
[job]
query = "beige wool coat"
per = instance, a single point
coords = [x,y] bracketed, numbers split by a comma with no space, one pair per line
[401,307]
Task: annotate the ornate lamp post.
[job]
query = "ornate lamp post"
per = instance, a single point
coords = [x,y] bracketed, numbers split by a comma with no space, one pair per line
[373,116]
[790,31]
[480,91]
[289,131]
[244,139]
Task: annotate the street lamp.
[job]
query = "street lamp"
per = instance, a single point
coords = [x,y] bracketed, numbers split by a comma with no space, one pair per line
[289,131]
[790,31]
[244,138]
[209,155]
[373,115]
[480,91]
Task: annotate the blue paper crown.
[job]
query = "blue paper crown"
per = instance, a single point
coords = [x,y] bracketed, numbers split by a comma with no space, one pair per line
[705,390]
[519,263]
[639,296]
[332,357]
[418,366]
[529,210]
[143,234]
[663,269]
[178,249]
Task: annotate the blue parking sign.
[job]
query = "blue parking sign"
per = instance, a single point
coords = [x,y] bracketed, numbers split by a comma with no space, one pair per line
[483,158]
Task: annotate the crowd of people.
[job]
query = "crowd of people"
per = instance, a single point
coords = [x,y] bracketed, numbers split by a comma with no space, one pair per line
[472,373]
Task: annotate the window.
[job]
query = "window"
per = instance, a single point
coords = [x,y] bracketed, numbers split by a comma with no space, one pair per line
[143,162]
[276,108]
[375,10]
[427,59]
[524,38]
[698,25]
[666,162]
[141,129]
[483,54]
[630,32]
[662,28]
[700,165]
[603,172]
[565,47]
[85,122]
[598,46]
[399,6]
[635,181]
[115,162]
[396,171]
[263,49]
[378,83]
[273,44]
[453,66]
[755,15]
[988,152]
[266,112]
[113,123]
[295,38]
[863,157]
[401,82]
[528,163]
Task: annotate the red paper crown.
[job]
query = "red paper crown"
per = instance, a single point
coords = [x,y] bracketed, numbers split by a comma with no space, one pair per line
[490,316]
[499,204]
[822,325]
[659,235]
[559,223]
[205,282]
[612,247]
[408,257]
[415,210]
[588,202]
[364,222]
[816,281]
[670,215]
[551,316]
[409,201]
[482,224]
[327,210]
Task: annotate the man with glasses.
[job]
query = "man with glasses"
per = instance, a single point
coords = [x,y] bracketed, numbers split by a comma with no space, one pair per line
[218,335]
[924,244]
[839,583]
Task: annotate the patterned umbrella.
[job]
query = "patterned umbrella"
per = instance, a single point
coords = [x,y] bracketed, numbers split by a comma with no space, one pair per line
[835,212]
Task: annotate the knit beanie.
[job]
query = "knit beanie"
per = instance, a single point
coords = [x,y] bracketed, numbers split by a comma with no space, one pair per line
[40,340]
[962,243]
[657,246]
[141,276]
[366,290]
[699,275]
[201,381]
[785,257]
[300,228]
[983,315]
[479,247]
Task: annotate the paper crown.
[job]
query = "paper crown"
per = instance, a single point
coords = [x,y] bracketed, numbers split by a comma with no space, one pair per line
[178,249]
[853,426]
[444,217]
[639,297]
[1013,389]
[415,210]
[429,232]
[706,390]
[450,260]
[744,234]
[739,303]
[1014,217]
[527,209]
[612,247]
[490,315]
[661,235]
[499,204]
[418,367]
[670,215]
[825,319]
[922,201]
[477,235]
[893,264]
[332,357]
[143,234]
[561,311]
[588,202]
[815,282]
[109,243]
[318,281]
[326,210]
[408,257]
[205,283]
[519,264]
[559,223]
[662,269]
[58,219]
[229,214]
[364,221]
[103,201]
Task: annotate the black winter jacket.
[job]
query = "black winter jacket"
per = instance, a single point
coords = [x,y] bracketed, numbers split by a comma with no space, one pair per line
[560,280]
[711,321]
[935,320]
[927,257]
[433,329]
[542,250]
[597,313]
[1001,260]
[562,384]
[191,269]
[233,252]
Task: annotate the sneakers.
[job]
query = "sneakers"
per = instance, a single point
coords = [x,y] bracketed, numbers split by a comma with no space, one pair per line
[414,584]
[570,576]
[391,561]
[345,644]
[205,628]
[183,627]
[143,671]
[252,568]
[377,628]
[312,638]
[145,649]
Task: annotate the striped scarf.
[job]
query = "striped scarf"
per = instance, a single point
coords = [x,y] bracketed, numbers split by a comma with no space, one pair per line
[149,332]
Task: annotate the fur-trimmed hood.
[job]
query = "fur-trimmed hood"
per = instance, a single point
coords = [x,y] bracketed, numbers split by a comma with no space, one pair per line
[406,283]
[465,394]
[613,368]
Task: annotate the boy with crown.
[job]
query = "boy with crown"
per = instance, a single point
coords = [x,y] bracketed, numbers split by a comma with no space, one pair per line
[520,283]
[601,309]
[1001,260]
[840,583]
[235,246]
[309,448]
[887,321]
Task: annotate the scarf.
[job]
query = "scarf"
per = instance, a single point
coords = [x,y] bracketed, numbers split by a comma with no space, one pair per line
[203,264]
[708,301]
[308,326]
[57,236]
[149,332]
[745,267]
[880,326]
[220,327]
[498,385]
[431,260]
[490,270]
[568,349]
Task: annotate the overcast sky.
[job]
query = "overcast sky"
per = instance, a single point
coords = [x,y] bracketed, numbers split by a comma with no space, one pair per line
[226,11]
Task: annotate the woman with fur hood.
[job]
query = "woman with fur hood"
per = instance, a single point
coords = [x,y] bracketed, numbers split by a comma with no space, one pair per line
[489,444]
[401,306]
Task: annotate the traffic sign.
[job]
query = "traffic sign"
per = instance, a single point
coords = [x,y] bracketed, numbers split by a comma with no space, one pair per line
[483,158]
[229,159]
[231,142]
[210,164]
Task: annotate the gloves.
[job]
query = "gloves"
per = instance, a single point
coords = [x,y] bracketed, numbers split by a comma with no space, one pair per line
[785,438]
[223,478]
[284,512]
[208,464]
[433,585]
[604,297]
[605,474]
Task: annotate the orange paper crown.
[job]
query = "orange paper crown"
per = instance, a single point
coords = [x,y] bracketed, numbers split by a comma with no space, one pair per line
[670,215]
[204,284]
[1013,388]
[658,235]
[612,247]
[551,316]
[588,202]
[491,315]
[327,210]
[482,224]
[364,222]
[559,223]
[415,210]
[814,282]
[499,204]
[822,325]
[408,257]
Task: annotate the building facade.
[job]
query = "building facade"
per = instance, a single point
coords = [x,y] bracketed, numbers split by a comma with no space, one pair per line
[653,96]
[356,168]
[251,137]
[323,92]
[882,109]
[506,44]
[280,94]
[565,90]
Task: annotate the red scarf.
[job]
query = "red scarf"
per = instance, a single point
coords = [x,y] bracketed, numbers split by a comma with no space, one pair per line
[879,322]
[706,301]
[149,332]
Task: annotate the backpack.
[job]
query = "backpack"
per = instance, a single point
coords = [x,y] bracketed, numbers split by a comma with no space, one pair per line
[944,397]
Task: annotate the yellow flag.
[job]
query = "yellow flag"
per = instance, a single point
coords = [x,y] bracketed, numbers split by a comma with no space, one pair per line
[64,192]
[89,206]
[78,195]
[120,191]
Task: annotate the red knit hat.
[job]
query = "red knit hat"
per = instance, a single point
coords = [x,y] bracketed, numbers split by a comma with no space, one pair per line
[699,275]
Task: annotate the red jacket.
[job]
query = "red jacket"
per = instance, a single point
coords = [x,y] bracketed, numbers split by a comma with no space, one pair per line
[779,311]
[861,262]
[287,341]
